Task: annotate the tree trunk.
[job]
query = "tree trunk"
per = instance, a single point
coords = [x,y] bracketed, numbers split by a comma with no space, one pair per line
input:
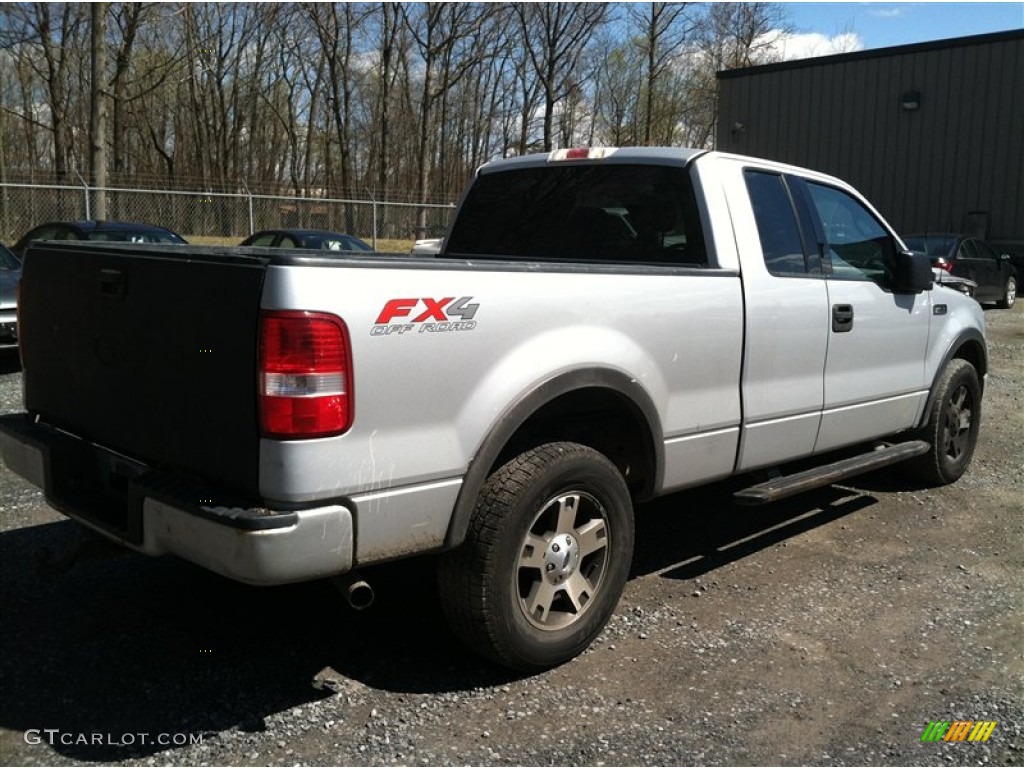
[98,112]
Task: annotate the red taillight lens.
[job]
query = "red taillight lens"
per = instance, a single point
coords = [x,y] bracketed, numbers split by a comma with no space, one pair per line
[943,264]
[305,375]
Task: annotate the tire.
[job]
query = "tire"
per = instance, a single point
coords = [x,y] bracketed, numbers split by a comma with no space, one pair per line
[545,559]
[952,429]
[1009,294]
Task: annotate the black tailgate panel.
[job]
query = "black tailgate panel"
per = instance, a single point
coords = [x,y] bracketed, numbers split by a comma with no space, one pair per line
[149,350]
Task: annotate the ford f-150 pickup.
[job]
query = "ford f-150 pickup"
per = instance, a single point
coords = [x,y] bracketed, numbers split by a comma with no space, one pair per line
[599,326]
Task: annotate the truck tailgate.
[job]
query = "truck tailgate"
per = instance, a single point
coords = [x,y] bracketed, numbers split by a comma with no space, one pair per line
[147,351]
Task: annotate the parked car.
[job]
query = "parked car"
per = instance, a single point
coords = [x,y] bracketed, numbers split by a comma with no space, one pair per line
[10,274]
[429,247]
[1015,250]
[962,284]
[973,259]
[93,229]
[313,239]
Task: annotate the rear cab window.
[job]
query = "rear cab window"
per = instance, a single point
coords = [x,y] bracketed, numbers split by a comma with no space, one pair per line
[612,213]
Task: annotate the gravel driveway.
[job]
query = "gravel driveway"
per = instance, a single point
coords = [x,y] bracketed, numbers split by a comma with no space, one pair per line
[828,629]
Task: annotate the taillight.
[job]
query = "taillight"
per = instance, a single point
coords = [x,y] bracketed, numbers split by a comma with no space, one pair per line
[943,264]
[305,375]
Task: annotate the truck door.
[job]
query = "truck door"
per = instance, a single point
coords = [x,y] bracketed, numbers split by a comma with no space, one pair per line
[786,323]
[874,370]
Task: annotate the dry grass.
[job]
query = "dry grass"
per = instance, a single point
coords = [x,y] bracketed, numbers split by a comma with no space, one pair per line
[383,246]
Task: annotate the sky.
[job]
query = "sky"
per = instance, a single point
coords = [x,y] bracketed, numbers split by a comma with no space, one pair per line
[826,28]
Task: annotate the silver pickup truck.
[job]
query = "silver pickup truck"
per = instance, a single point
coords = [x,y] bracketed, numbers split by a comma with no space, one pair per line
[600,327]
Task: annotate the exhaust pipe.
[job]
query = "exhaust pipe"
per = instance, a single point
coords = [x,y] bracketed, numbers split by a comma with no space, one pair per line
[356,591]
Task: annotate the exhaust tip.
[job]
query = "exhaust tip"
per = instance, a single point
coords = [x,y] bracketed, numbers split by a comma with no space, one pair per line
[359,595]
[356,591]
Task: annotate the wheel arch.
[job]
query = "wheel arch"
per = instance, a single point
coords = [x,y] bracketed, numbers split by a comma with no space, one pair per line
[970,346]
[555,410]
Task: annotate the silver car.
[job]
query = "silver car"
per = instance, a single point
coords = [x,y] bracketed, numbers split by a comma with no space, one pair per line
[10,274]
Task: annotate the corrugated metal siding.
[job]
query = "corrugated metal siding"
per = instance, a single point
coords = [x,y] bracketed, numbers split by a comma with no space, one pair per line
[962,151]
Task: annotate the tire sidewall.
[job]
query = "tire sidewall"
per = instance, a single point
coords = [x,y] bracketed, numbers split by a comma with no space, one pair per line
[578,469]
[963,375]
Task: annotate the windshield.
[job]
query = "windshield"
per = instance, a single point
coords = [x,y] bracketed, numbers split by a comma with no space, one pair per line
[930,244]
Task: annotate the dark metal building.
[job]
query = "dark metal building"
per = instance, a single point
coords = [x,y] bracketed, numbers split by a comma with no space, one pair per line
[932,134]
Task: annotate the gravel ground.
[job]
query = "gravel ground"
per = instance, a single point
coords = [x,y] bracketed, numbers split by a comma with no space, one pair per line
[828,630]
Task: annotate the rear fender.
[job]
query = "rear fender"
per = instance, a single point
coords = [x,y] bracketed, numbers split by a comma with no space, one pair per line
[509,422]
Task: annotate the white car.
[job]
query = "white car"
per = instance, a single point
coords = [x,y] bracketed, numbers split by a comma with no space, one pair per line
[428,247]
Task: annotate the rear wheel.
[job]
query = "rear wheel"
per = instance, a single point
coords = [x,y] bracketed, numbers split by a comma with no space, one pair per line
[952,428]
[1009,294]
[545,558]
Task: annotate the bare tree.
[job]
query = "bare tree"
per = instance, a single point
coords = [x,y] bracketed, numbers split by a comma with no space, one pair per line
[730,36]
[554,36]
[98,108]
[441,33]
[664,29]
[60,41]
[335,34]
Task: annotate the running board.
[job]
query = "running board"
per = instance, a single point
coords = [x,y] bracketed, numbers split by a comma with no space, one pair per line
[783,487]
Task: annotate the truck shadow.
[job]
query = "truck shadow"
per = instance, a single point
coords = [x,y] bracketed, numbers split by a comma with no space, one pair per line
[133,645]
[688,534]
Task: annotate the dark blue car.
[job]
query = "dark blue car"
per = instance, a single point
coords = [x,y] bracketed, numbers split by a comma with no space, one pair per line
[108,231]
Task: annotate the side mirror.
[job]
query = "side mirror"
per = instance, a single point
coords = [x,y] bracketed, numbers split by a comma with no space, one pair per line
[913,272]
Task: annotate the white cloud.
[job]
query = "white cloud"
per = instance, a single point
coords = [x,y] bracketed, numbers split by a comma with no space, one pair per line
[887,13]
[809,44]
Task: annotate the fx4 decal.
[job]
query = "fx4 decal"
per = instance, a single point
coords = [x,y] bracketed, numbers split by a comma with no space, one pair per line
[425,316]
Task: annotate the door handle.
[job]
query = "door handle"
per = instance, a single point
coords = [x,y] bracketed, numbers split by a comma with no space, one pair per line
[842,318]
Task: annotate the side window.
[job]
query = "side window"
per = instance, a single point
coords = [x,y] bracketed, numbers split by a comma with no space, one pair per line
[777,225]
[986,251]
[55,232]
[288,242]
[967,250]
[66,233]
[859,247]
[264,240]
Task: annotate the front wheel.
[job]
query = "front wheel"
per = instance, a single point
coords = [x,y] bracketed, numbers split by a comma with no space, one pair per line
[1009,294]
[545,559]
[952,428]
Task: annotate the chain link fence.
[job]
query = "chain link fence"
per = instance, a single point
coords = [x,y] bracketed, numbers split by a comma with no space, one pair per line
[217,214]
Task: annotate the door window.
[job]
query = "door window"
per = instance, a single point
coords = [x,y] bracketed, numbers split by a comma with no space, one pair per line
[986,251]
[859,247]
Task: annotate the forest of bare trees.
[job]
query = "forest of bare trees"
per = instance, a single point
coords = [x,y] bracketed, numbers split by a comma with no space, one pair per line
[398,101]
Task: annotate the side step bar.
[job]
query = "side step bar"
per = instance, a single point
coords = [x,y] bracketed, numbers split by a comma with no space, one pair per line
[783,487]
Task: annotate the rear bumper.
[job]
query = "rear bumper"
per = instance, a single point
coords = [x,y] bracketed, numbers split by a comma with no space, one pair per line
[155,513]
